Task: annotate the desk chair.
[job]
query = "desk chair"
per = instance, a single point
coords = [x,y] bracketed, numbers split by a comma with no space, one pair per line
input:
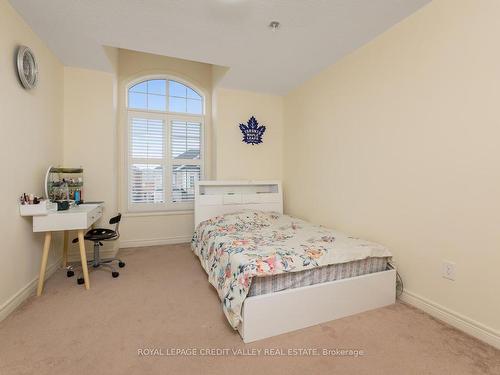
[97,235]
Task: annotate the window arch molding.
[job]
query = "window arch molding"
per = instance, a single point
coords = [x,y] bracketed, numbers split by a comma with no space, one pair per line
[165,147]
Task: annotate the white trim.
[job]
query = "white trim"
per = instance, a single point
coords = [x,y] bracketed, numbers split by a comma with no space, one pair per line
[167,117]
[123,84]
[467,325]
[166,162]
[158,213]
[24,293]
[154,241]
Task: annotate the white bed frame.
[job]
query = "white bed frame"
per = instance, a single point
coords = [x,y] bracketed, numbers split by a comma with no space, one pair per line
[280,312]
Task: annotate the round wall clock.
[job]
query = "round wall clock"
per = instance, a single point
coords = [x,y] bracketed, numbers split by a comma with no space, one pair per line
[27,68]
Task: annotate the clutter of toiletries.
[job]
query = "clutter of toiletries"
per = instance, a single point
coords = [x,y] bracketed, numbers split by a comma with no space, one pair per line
[63,190]
[29,199]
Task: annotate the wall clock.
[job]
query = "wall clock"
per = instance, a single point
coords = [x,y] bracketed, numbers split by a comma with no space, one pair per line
[27,67]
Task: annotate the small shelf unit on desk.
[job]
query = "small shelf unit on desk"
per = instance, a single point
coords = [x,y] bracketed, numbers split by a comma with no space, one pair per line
[62,183]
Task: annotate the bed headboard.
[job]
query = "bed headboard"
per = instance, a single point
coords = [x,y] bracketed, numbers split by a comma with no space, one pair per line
[212,198]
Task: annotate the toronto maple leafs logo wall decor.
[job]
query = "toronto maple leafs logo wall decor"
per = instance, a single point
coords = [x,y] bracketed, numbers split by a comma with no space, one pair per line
[252,131]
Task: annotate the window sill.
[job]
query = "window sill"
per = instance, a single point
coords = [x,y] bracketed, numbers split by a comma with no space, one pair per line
[157,213]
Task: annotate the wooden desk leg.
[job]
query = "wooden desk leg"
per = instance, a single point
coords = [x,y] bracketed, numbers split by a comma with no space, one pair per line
[65,249]
[83,256]
[43,265]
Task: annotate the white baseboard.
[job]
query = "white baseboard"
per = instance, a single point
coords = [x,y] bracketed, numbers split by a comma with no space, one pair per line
[23,294]
[469,326]
[154,241]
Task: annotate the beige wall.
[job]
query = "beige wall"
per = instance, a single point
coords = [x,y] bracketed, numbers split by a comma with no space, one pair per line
[222,136]
[95,139]
[142,229]
[399,143]
[32,126]
[90,138]
[236,159]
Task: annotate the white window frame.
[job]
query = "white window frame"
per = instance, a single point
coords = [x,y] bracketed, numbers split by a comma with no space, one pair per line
[167,162]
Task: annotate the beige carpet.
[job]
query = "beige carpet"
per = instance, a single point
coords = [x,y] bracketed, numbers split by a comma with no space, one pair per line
[162,300]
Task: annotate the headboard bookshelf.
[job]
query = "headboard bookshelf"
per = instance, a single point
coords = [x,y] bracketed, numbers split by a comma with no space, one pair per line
[214,198]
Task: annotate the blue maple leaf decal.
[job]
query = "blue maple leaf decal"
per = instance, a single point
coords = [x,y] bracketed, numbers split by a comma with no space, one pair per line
[252,131]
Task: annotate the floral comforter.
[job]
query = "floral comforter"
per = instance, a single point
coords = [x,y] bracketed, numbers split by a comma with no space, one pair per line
[234,248]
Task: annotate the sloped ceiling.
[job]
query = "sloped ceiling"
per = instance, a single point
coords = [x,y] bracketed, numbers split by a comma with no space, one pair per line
[230,33]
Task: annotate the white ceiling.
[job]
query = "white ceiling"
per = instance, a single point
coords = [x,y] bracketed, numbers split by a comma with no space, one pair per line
[232,33]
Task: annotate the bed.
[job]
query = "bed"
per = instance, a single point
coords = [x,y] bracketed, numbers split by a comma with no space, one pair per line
[275,273]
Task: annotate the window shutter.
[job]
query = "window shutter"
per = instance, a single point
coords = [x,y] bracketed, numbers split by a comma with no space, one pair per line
[147,138]
[183,179]
[165,144]
[146,183]
[186,154]
[146,155]
[186,140]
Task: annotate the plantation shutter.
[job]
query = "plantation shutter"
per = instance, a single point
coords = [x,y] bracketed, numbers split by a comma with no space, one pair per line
[164,145]
[185,155]
[146,160]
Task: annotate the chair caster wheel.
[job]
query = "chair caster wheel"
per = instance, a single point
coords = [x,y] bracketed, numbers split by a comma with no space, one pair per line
[121,264]
[80,281]
[70,273]
[115,274]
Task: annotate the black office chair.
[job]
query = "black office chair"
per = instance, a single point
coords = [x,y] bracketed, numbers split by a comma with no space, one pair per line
[97,235]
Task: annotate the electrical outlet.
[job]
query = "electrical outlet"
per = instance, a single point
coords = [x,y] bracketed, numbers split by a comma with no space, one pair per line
[448,270]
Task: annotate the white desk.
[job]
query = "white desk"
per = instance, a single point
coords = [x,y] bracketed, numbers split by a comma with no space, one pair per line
[79,218]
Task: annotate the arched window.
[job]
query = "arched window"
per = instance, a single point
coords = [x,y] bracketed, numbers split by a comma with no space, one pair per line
[160,94]
[165,144]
